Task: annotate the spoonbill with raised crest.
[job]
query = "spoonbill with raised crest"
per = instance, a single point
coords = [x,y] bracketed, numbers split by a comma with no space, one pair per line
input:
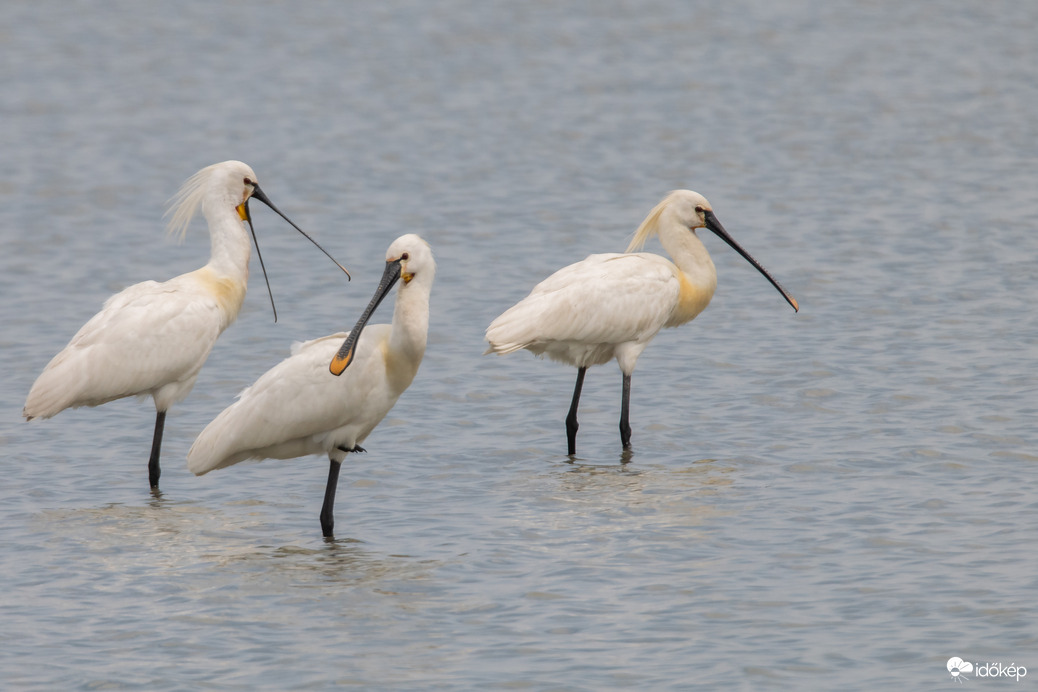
[151,339]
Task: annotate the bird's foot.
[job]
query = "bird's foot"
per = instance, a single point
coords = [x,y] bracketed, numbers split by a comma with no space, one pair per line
[355,449]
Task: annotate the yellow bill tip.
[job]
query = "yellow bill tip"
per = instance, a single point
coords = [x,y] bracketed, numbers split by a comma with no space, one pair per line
[340,363]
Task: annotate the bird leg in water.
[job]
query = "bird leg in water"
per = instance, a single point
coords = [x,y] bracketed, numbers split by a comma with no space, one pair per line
[327,520]
[571,419]
[156,444]
[625,410]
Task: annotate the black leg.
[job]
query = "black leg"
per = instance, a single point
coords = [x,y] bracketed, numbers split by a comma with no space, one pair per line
[625,414]
[327,520]
[571,419]
[156,444]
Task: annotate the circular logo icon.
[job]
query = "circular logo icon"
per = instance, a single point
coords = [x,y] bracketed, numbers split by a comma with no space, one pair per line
[956,666]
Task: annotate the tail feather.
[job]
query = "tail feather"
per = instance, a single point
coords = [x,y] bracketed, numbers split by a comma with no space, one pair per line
[56,389]
[511,331]
[208,452]
[220,444]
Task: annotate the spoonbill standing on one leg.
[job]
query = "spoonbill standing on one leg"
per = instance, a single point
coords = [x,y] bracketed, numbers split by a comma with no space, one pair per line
[152,338]
[298,407]
[612,305]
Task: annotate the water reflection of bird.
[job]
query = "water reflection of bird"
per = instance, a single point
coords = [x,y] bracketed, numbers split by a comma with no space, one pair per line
[300,407]
[612,305]
[152,338]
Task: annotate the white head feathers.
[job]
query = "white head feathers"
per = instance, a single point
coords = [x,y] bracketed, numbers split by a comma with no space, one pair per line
[193,193]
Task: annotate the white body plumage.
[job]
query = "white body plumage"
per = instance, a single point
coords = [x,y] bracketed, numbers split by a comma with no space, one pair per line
[612,305]
[152,339]
[299,408]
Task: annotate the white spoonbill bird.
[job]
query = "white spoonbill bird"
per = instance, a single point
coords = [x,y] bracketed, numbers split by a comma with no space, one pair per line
[151,339]
[612,305]
[301,407]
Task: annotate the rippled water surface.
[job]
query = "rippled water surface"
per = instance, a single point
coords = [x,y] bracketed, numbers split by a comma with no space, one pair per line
[842,498]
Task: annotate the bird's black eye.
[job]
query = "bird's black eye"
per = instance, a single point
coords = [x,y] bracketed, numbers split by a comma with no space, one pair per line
[404,256]
[248,181]
[699,209]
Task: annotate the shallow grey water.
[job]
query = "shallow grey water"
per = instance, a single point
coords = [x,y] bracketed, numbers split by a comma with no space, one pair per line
[839,499]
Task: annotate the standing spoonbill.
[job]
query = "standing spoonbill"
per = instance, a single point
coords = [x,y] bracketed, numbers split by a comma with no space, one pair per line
[612,305]
[151,339]
[301,407]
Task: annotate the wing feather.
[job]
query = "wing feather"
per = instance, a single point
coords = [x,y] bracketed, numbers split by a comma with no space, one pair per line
[604,299]
[293,407]
[148,335]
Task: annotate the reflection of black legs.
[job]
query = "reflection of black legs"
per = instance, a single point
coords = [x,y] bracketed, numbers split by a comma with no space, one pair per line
[327,520]
[571,419]
[625,411]
[156,444]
